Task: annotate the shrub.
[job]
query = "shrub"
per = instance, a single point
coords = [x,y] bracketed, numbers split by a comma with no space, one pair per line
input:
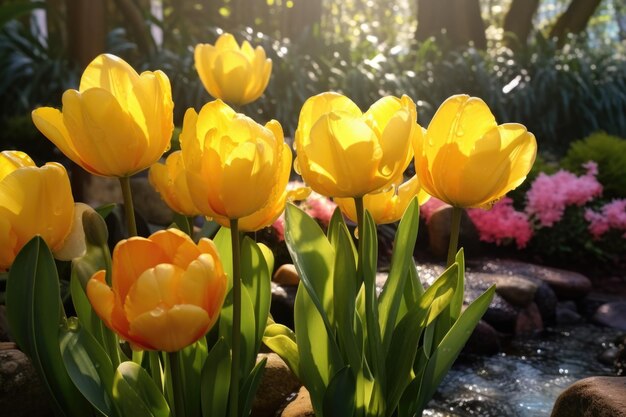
[609,152]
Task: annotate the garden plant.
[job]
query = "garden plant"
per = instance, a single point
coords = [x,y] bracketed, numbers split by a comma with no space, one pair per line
[171,324]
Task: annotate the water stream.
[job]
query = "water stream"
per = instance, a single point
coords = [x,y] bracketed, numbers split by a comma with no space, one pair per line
[526,379]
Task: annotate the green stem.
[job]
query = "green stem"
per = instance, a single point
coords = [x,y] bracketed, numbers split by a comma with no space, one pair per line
[155,368]
[178,381]
[236,335]
[454,234]
[190,222]
[128,206]
[112,346]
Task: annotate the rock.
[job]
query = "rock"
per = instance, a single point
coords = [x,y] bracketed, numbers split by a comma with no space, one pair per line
[544,295]
[620,361]
[438,227]
[283,300]
[593,397]
[612,315]
[546,301]
[483,341]
[500,314]
[286,275]
[609,355]
[277,384]
[102,190]
[21,391]
[517,290]
[4,325]
[300,406]
[567,313]
[529,321]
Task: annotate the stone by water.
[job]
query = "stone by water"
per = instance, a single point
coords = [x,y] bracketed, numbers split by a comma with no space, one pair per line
[526,379]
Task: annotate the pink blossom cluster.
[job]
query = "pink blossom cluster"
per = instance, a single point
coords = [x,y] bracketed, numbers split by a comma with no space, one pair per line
[549,195]
[502,223]
[611,216]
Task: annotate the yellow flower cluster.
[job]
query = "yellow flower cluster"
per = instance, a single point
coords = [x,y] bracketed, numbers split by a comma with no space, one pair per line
[167,291]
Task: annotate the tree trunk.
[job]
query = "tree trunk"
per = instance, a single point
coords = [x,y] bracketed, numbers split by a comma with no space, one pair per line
[460,20]
[519,20]
[86,33]
[136,24]
[86,30]
[574,19]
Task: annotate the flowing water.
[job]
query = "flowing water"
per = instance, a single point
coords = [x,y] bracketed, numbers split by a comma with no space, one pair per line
[526,379]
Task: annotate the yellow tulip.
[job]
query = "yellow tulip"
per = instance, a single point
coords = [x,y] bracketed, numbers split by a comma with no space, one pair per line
[467,160]
[342,152]
[386,206]
[37,201]
[234,166]
[117,123]
[170,181]
[166,292]
[236,75]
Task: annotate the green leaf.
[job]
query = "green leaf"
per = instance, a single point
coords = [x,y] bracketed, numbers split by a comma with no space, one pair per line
[224,247]
[216,380]
[193,358]
[281,340]
[106,209]
[34,313]
[334,225]
[250,387]
[209,229]
[344,283]
[269,257]
[248,329]
[319,355]
[135,393]
[313,257]
[440,362]
[401,261]
[89,320]
[339,397]
[369,264]
[88,366]
[255,276]
[456,305]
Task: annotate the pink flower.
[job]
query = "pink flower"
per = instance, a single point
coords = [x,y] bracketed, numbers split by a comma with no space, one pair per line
[502,223]
[319,207]
[279,227]
[611,216]
[549,195]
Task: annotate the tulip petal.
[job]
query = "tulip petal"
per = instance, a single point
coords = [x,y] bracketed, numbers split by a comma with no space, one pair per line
[155,288]
[232,72]
[173,329]
[39,202]
[177,245]
[131,258]
[203,286]
[110,73]
[12,160]
[396,144]
[460,119]
[8,241]
[51,123]
[381,112]
[101,297]
[317,106]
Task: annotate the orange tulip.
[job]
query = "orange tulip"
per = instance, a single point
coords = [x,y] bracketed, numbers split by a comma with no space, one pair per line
[167,291]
